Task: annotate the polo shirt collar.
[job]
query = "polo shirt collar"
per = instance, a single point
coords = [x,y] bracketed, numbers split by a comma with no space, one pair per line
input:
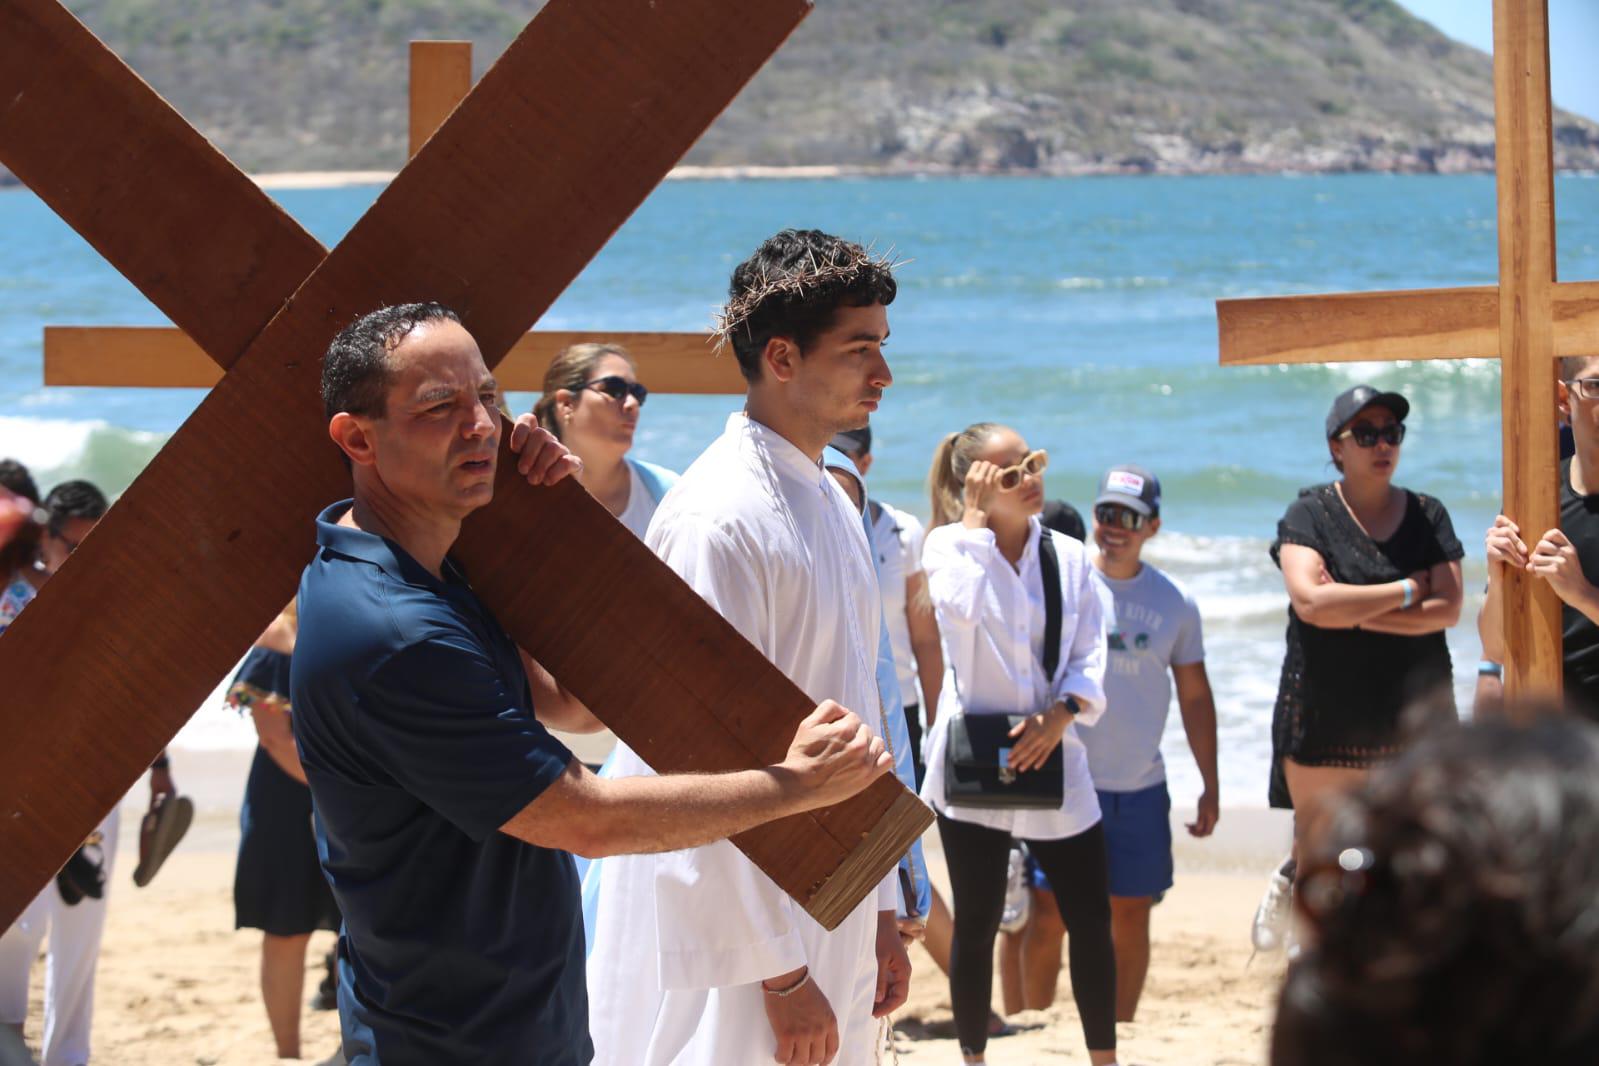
[381,552]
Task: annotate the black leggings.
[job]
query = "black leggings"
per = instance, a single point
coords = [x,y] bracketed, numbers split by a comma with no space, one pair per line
[1076,870]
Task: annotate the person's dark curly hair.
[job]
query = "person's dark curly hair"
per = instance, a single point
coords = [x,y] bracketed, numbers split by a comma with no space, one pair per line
[792,286]
[73,499]
[355,370]
[19,552]
[1454,904]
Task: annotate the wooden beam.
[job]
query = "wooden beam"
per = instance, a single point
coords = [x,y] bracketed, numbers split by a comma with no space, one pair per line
[147,181]
[1358,327]
[165,358]
[1524,159]
[441,76]
[207,544]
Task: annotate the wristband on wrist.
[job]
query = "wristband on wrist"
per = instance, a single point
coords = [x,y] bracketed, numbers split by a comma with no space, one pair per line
[1410,594]
[784,993]
[1489,668]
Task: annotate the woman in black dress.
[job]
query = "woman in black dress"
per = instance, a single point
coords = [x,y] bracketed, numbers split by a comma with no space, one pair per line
[1373,577]
[278,885]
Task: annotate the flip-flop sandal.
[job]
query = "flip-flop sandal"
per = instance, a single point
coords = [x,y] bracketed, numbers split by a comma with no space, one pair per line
[159,834]
[998,1026]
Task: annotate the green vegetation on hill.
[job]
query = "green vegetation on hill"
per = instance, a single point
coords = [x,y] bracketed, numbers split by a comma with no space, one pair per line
[1052,86]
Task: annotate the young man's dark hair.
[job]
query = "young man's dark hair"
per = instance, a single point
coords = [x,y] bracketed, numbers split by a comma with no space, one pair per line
[791,287]
[355,370]
[1455,903]
[74,499]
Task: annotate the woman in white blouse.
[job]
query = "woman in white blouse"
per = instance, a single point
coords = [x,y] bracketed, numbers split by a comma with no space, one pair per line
[592,402]
[985,575]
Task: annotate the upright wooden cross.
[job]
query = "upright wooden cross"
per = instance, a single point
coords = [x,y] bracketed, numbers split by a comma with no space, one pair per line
[498,212]
[163,357]
[1525,322]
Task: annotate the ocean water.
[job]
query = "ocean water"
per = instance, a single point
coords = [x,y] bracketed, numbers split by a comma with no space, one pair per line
[1080,311]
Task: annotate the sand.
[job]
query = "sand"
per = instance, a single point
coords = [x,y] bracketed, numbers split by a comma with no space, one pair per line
[178,985]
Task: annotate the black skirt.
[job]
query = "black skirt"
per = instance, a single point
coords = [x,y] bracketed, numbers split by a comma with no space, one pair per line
[278,885]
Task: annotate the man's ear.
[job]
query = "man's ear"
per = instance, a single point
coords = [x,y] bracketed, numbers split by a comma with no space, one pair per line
[1154,526]
[864,464]
[780,358]
[353,436]
[1563,401]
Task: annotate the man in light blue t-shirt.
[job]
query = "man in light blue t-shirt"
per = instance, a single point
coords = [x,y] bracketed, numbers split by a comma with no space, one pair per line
[1154,638]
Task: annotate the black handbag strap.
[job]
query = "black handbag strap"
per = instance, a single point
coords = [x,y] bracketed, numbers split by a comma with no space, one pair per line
[1049,568]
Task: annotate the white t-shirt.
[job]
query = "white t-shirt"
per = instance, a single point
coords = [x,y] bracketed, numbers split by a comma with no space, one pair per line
[897,539]
[1153,625]
[640,504]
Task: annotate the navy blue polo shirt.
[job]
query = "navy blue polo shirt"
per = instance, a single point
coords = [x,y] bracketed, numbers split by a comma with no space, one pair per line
[415,726]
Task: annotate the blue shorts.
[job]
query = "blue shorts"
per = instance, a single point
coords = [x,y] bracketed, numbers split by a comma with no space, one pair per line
[1138,840]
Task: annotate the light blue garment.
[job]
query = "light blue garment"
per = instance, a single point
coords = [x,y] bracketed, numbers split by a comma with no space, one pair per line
[657,479]
[913,868]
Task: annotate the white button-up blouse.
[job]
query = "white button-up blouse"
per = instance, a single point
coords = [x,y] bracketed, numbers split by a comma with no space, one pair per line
[991,619]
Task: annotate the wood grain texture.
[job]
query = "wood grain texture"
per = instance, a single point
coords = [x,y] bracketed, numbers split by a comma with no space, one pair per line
[164,357]
[441,76]
[1522,121]
[140,184]
[203,549]
[1358,327]
[683,703]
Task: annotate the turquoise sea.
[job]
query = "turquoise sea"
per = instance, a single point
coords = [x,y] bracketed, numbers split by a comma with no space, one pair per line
[1081,311]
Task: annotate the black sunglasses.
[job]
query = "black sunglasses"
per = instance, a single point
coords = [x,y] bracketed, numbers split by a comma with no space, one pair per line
[617,387]
[1367,435]
[1109,514]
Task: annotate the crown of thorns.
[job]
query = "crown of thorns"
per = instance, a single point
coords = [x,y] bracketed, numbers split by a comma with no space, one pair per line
[794,284]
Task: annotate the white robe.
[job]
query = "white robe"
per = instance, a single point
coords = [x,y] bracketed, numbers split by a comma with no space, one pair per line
[682,940]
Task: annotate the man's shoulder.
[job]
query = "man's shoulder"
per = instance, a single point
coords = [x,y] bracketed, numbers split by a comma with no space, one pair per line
[354,617]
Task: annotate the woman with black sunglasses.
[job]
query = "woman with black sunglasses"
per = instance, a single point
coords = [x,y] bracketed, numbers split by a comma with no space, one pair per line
[592,401]
[1024,648]
[1373,578]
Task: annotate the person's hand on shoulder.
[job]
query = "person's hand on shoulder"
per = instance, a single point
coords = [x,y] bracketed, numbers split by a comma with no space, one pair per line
[834,755]
[544,460]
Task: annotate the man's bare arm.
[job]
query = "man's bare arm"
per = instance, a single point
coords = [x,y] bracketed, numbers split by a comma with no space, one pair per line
[834,756]
[922,622]
[553,705]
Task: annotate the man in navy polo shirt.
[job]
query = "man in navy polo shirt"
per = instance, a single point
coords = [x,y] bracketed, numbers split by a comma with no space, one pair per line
[444,810]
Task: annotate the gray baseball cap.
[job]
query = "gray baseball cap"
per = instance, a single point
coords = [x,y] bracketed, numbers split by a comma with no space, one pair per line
[1132,487]
[1350,402]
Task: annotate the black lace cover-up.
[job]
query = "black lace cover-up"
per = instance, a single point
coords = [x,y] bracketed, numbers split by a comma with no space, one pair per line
[1343,690]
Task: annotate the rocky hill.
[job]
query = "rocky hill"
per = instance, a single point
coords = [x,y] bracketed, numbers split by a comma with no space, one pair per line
[1047,86]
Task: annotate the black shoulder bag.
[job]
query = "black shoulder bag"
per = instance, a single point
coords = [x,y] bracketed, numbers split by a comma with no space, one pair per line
[977,769]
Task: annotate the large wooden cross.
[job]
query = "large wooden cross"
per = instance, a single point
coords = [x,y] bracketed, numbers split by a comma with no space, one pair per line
[164,357]
[1526,322]
[581,117]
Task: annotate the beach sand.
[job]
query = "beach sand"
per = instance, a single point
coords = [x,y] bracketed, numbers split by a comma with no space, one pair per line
[178,985]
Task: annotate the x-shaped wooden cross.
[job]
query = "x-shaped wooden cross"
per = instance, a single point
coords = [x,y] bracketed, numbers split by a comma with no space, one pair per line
[582,116]
[164,357]
[1525,322]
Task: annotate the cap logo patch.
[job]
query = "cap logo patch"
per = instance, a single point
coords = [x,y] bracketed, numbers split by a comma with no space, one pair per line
[1123,481]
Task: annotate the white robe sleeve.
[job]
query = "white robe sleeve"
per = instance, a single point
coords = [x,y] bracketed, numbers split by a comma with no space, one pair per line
[957,576]
[720,920]
[1084,652]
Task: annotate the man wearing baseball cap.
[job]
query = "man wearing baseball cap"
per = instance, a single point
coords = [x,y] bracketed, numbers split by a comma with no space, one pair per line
[1155,637]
